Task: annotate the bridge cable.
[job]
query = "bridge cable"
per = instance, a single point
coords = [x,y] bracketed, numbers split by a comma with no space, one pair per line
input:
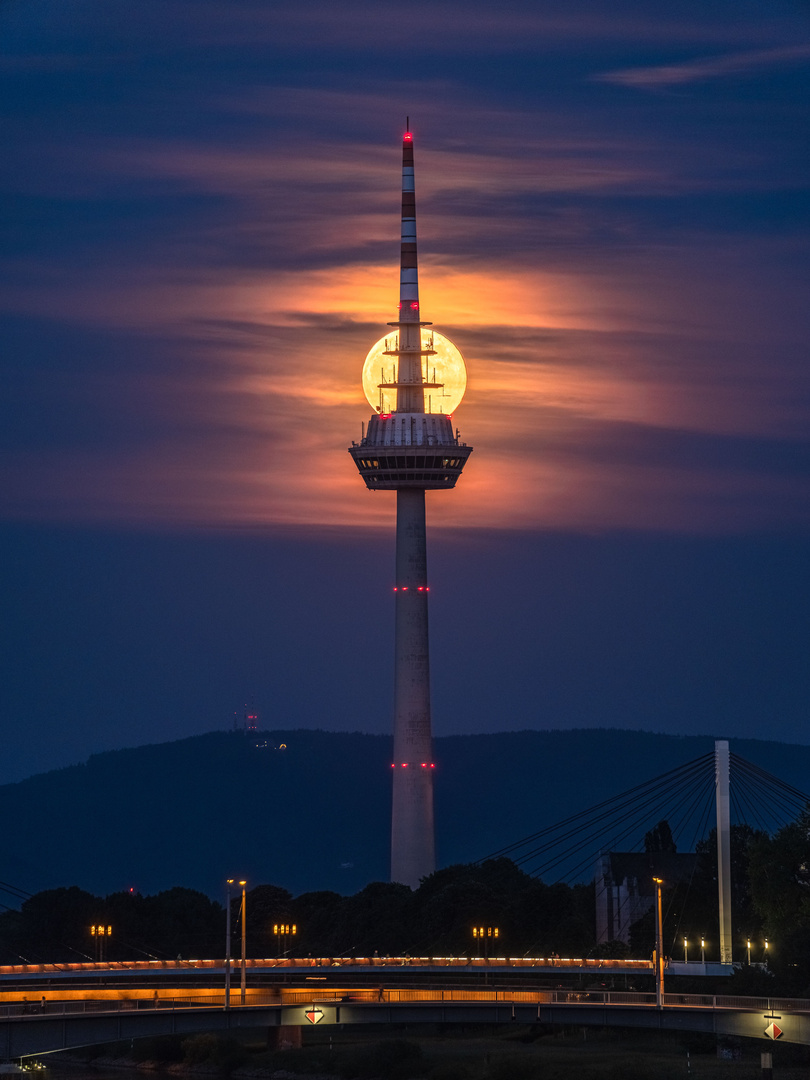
[592,827]
[702,822]
[775,781]
[633,821]
[779,806]
[640,815]
[591,811]
[772,791]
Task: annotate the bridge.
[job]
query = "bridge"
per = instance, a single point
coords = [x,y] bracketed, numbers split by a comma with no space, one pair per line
[36,1028]
[50,1007]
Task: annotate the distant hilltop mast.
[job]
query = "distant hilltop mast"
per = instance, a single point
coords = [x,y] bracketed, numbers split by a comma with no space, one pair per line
[409,447]
[250,721]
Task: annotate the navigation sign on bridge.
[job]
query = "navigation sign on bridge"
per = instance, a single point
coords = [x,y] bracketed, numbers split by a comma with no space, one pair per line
[315,1015]
[773,1031]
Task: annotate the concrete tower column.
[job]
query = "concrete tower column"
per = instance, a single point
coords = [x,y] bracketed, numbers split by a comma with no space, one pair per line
[412,836]
[721,770]
[409,450]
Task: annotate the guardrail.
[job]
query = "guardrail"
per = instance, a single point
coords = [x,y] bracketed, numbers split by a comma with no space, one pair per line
[140,966]
[26,1010]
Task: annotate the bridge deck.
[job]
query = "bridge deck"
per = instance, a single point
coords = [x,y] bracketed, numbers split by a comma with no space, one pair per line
[28,1028]
[111,1001]
[552,964]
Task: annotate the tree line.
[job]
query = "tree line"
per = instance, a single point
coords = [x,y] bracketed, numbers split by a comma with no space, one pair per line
[384,918]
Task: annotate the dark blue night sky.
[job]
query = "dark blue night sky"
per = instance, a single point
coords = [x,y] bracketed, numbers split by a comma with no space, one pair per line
[199,218]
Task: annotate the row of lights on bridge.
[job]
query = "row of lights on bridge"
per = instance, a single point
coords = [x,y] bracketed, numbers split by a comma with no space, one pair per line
[765,948]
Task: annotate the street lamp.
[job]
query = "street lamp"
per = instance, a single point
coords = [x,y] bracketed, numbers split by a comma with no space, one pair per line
[659,946]
[228,884]
[765,953]
[283,930]
[244,941]
[685,950]
[702,949]
[484,933]
[749,951]
[100,935]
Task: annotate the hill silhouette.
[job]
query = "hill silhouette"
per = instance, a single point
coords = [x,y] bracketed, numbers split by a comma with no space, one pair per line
[314,815]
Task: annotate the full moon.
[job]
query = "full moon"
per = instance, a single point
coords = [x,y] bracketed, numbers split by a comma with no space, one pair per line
[446,367]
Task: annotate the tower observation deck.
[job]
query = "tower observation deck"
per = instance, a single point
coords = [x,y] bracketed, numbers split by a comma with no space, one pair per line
[410,447]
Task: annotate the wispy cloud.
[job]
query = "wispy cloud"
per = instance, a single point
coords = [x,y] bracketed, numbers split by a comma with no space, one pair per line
[201,255]
[711,67]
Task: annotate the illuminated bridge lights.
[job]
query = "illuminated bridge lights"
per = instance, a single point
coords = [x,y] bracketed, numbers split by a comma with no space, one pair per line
[419,588]
[422,765]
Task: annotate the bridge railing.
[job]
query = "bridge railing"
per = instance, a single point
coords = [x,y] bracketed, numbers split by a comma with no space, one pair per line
[151,966]
[34,1010]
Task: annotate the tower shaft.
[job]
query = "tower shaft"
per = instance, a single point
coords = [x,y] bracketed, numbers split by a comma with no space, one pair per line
[412,834]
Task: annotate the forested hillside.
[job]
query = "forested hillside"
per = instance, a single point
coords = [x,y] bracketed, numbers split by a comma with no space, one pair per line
[314,815]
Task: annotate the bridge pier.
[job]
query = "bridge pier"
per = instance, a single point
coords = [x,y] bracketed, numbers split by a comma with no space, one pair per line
[285,1037]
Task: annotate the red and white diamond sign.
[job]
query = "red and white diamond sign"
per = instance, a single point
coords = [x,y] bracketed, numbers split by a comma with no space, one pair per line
[773,1031]
[315,1015]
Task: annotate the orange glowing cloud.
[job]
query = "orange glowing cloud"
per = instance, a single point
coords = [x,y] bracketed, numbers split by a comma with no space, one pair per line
[575,350]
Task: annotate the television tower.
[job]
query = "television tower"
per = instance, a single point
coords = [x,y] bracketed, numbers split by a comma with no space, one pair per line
[411,449]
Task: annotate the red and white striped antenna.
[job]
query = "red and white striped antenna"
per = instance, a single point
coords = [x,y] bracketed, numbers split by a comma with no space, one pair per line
[408,271]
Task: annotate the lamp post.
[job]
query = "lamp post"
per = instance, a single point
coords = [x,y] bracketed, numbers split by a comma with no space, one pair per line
[244,942]
[748,946]
[100,934]
[228,884]
[283,930]
[659,946]
[484,933]
[685,950]
[702,949]
[765,952]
